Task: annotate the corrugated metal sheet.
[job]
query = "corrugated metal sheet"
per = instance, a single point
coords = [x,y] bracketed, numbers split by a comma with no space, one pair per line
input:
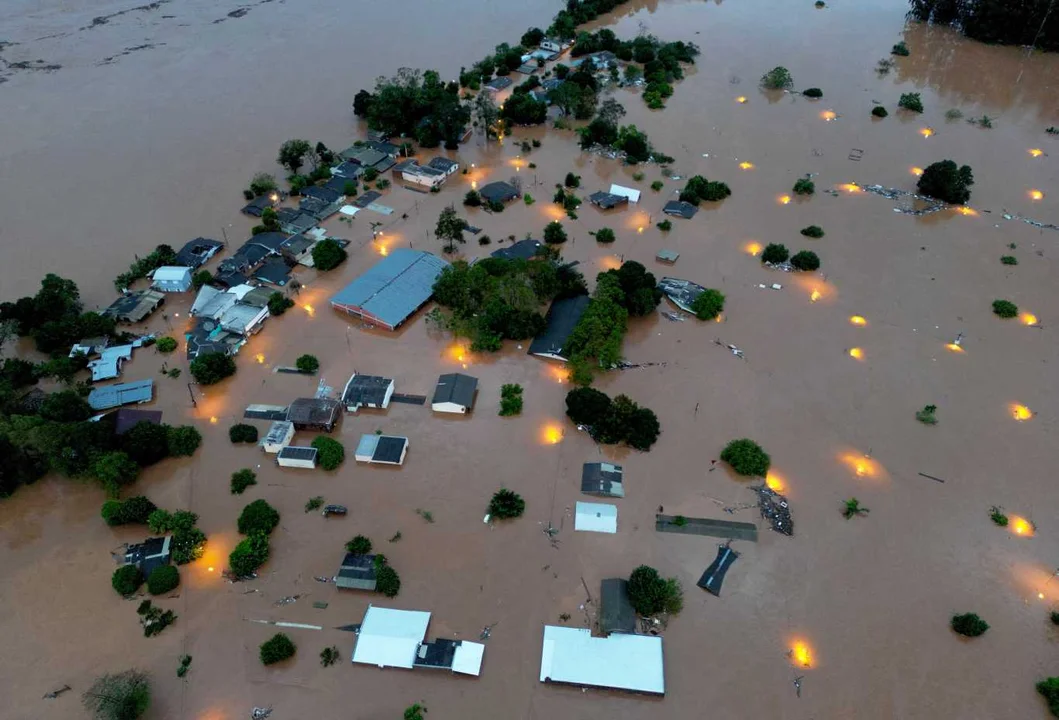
[393,289]
[110,396]
[625,662]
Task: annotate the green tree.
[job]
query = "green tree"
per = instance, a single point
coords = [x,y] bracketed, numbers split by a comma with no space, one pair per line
[804,186]
[258,518]
[969,625]
[387,581]
[328,254]
[506,504]
[472,199]
[417,711]
[523,109]
[805,260]
[65,406]
[277,649]
[183,441]
[947,182]
[911,101]
[360,545]
[700,189]
[813,92]
[307,364]
[746,458]
[242,479]
[775,253]
[778,78]
[587,406]
[853,508]
[278,303]
[250,554]
[121,696]
[292,154]
[262,184]
[554,234]
[126,580]
[166,344]
[572,181]
[532,37]
[450,228]
[1005,309]
[163,579]
[115,470]
[510,399]
[708,305]
[146,443]
[651,594]
[211,368]
[812,231]
[1049,690]
[329,452]
[605,236]
[879,111]
[202,277]
[242,433]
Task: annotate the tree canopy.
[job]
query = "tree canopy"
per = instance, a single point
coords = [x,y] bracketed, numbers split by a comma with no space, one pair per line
[121,696]
[746,458]
[945,181]
[450,228]
[328,254]
[211,368]
[651,594]
[997,22]
[613,421]
[258,517]
[54,317]
[416,104]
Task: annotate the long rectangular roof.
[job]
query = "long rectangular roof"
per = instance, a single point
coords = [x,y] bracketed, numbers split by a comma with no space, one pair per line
[390,638]
[456,388]
[596,517]
[139,391]
[626,662]
[394,288]
[562,318]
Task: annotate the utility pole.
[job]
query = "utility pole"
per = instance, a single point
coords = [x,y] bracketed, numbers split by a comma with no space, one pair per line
[192,394]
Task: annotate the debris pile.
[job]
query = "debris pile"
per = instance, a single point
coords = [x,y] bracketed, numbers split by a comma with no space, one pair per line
[775,509]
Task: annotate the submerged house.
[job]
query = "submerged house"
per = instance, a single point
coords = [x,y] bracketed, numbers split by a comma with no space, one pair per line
[357,572]
[561,320]
[680,208]
[424,175]
[118,394]
[396,638]
[320,202]
[454,393]
[596,517]
[108,365]
[135,306]
[196,252]
[293,221]
[297,457]
[520,250]
[152,553]
[370,391]
[681,293]
[382,449]
[619,661]
[279,435]
[606,200]
[393,290]
[602,478]
[258,205]
[314,413]
[499,191]
[616,613]
[171,278]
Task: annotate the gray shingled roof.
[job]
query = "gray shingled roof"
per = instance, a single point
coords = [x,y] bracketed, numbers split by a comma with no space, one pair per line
[393,289]
[456,388]
[562,317]
[616,612]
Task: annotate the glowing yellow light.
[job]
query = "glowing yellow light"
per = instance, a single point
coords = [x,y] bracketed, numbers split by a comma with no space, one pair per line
[953,347]
[552,434]
[814,296]
[746,165]
[274,197]
[851,188]
[1021,526]
[917,171]
[802,654]
[560,374]
[474,184]
[1027,318]
[775,482]
[741,99]
[458,353]
[858,320]
[260,358]
[309,309]
[640,229]
[1021,412]
[964,210]
[1040,595]
[1036,152]
[828,115]
[856,353]
[926,132]
[213,420]
[1036,195]
[861,465]
[785,199]
[209,569]
[383,250]
[752,248]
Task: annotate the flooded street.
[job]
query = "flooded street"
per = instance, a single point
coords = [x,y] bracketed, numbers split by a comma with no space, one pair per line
[159,115]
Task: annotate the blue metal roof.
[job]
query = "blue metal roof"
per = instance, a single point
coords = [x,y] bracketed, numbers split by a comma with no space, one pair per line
[102,398]
[394,288]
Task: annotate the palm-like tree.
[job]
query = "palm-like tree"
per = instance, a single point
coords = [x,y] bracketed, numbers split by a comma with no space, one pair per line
[853,508]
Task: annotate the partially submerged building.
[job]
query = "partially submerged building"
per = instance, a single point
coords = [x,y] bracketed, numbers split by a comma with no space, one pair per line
[520,250]
[258,205]
[393,290]
[616,613]
[713,578]
[128,418]
[293,221]
[596,517]
[152,553]
[357,572]
[370,391]
[279,435]
[118,394]
[314,413]
[632,194]
[108,365]
[561,320]
[498,84]
[499,191]
[606,200]
[171,278]
[395,638]
[681,293]
[619,661]
[382,449]
[423,175]
[196,252]
[680,208]
[602,478]
[297,457]
[135,306]
[454,393]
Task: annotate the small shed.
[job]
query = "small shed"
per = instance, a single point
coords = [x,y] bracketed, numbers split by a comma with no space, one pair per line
[356,573]
[370,391]
[680,208]
[667,256]
[602,478]
[279,435]
[616,613]
[314,413]
[631,193]
[596,517]
[298,457]
[454,393]
[382,449]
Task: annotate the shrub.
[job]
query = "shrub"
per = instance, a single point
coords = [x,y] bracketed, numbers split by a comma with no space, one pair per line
[605,235]
[853,508]
[813,92]
[911,101]
[778,78]
[775,253]
[250,554]
[258,517]
[183,441]
[700,189]
[242,479]
[415,712]
[163,579]
[277,649]
[998,517]
[211,368]
[495,206]
[383,183]
[200,278]
[136,510]
[657,185]
[651,594]
[329,656]
[927,415]
[1049,690]
[708,304]
[111,512]
[314,503]
[370,174]
[329,452]
[637,176]
[153,619]
[665,225]
[307,364]
[528,199]
[359,545]
[804,186]
[947,182]
[166,345]
[242,433]
[1009,260]
[387,581]
[126,580]
[805,260]
[813,231]
[124,696]
[969,625]
[572,181]
[554,234]
[1005,308]
[278,303]
[472,199]
[262,183]
[328,254]
[747,458]
[506,504]
[879,111]
[900,49]
[510,399]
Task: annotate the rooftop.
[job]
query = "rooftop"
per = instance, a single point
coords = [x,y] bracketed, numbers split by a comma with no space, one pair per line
[366,390]
[320,192]
[456,388]
[390,638]
[294,452]
[196,252]
[134,307]
[274,271]
[443,164]
[680,208]
[681,292]
[602,478]
[314,412]
[520,250]
[498,83]
[387,449]
[499,191]
[596,517]
[127,418]
[562,317]
[356,573]
[620,661]
[393,289]
[607,200]
[109,396]
[616,612]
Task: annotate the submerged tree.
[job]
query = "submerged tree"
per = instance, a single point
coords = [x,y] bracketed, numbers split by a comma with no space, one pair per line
[947,182]
[450,228]
[121,696]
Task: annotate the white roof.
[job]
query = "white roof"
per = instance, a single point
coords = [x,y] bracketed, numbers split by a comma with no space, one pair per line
[349,210]
[390,638]
[468,658]
[206,294]
[633,195]
[626,662]
[596,517]
[171,272]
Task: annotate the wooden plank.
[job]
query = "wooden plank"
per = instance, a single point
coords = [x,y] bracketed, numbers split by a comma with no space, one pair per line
[729,529]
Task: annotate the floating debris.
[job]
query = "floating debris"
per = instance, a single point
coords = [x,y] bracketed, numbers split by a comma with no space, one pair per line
[674,316]
[286,600]
[775,509]
[260,713]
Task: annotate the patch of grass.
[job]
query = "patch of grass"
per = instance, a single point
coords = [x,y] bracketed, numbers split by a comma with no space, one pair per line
[927,415]
[996,514]
[813,231]
[1009,260]
[314,503]
[969,625]
[1005,309]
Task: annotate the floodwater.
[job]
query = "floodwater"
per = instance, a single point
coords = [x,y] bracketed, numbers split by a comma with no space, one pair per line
[104,158]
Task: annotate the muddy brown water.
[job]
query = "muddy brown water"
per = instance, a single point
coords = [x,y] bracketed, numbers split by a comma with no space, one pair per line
[113,153]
